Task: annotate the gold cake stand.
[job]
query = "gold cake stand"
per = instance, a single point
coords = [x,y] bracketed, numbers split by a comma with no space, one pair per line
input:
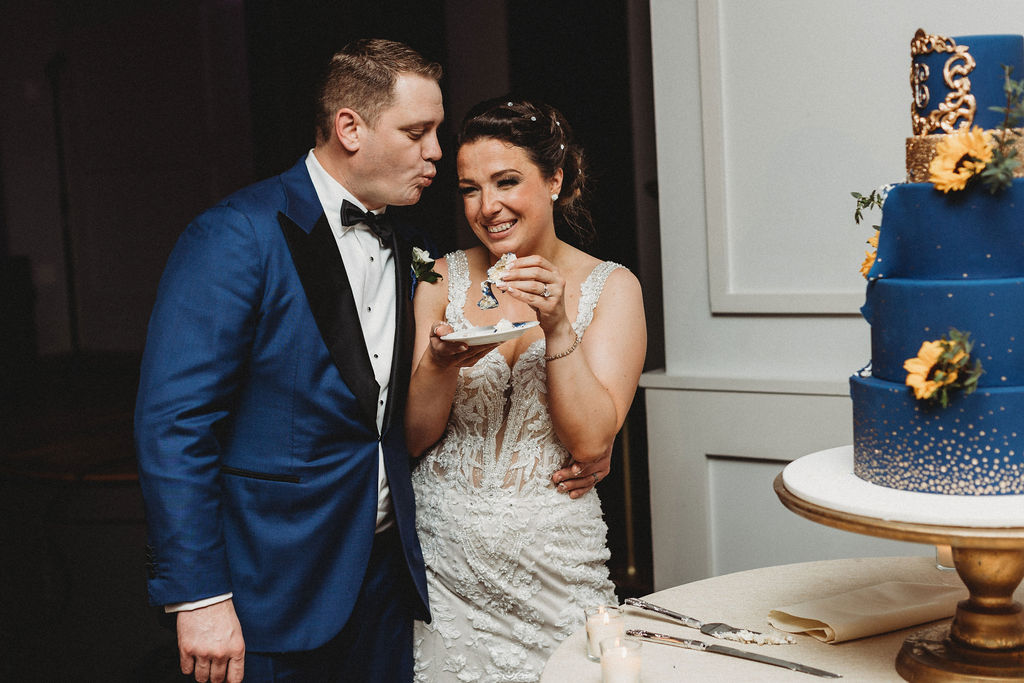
[985,641]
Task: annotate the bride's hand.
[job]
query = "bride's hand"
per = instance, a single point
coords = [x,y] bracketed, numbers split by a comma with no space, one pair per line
[536,282]
[453,354]
[578,478]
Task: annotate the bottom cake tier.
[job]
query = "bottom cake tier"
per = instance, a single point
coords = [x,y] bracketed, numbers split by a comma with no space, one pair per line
[974,447]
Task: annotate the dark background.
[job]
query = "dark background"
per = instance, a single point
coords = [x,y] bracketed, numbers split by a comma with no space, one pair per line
[123,119]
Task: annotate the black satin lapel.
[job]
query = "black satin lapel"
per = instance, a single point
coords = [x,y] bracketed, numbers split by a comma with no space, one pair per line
[401,360]
[322,273]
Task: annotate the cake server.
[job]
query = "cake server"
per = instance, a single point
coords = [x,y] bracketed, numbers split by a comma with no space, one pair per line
[716,629]
[701,646]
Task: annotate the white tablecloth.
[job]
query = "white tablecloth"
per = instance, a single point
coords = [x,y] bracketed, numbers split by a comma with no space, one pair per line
[743,600]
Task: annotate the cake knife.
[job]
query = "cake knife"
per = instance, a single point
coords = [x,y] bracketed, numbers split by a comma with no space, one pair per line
[701,646]
[716,630]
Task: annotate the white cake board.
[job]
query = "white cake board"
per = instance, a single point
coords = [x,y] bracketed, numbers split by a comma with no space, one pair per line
[826,478]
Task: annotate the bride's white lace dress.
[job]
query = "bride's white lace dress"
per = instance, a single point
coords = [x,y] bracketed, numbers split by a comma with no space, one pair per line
[511,562]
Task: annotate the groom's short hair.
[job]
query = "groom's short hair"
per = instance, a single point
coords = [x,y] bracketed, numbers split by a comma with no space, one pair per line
[362,77]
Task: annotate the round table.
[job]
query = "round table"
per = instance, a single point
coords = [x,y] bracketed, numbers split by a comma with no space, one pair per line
[744,599]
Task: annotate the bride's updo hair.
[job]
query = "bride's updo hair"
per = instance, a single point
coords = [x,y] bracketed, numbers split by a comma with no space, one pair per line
[544,134]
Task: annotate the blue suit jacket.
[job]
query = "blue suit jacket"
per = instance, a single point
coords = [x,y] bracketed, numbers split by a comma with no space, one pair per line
[256,420]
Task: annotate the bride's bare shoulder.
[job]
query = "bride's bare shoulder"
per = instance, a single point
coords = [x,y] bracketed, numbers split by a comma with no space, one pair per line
[579,265]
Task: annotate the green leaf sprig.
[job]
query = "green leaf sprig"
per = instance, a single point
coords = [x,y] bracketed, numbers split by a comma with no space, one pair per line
[998,173]
[872,201]
[967,372]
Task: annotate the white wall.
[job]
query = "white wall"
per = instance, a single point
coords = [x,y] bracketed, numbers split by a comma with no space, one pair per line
[768,114]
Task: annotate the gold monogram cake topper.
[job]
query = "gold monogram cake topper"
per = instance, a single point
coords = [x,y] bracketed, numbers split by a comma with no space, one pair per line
[959,103]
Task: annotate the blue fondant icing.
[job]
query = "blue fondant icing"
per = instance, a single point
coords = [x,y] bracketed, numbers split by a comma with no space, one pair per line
[973,447]
[971,234]
[905,313]
[948,260]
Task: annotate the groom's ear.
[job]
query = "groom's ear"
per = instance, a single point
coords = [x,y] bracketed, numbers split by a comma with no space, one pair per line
[347,125]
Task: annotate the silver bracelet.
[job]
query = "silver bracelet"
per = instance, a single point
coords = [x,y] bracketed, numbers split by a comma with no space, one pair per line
[563,354]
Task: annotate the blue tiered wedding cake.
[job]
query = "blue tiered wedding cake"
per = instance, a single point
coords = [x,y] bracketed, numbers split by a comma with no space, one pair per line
[941,409]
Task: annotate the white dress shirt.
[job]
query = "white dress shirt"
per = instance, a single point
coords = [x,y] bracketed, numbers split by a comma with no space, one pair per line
[371,274]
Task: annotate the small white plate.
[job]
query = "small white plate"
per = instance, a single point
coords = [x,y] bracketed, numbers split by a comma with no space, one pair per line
[486,334]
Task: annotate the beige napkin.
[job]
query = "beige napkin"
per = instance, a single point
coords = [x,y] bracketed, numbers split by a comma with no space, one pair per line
[868,611]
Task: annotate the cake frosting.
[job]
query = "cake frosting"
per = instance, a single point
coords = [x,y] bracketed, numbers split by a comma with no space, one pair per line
[500,267]
[504,325]
[948,262]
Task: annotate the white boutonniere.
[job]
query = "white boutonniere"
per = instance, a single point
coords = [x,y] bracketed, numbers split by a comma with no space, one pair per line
[423,266]
[422,269]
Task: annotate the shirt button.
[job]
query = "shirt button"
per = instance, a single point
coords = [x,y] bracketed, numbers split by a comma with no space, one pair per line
[376,356]
[371,259]
[382,402]
[369,308]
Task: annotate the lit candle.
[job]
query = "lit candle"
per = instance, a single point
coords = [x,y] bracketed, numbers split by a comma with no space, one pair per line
[620,660]
[603,621]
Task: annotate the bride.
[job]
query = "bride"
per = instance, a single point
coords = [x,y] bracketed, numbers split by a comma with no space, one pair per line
[511,561]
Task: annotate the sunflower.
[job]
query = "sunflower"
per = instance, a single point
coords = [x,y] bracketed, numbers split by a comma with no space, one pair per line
[869,261]
[869,256]
[919,369]
[943,365]
[958,157]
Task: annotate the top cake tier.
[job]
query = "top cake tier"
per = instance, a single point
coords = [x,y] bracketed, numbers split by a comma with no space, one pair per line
[955,83]
[956,80]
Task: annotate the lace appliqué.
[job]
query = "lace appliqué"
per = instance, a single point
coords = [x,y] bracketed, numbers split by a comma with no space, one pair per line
[495,532]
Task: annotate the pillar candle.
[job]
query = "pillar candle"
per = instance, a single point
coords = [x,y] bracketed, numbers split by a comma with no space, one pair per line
[620,661]
[603,621]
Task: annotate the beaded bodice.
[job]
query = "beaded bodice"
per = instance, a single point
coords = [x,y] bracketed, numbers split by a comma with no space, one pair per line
[499,433]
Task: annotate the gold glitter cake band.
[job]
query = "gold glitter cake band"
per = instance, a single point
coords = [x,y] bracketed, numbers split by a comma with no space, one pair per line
[921,151]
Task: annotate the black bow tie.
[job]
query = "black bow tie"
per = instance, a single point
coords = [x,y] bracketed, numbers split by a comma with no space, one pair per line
[351,214]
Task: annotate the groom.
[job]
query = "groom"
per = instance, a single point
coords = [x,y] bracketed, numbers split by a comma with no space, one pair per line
[269,416]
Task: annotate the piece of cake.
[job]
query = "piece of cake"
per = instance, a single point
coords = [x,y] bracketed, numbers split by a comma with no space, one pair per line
[500,267]
[494,274]
[504,326]
[941,409]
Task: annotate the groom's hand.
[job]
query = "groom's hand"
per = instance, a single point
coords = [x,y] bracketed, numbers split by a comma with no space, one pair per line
[210,643]
[578,478]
